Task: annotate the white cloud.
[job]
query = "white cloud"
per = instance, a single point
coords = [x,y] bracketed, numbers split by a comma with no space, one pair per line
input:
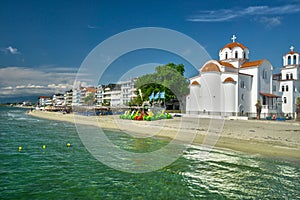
[11,50]
[22,81]
[270,21]
[29,86]
[93,27]
[264,14]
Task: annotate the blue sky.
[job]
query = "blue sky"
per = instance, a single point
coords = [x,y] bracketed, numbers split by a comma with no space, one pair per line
[43,43]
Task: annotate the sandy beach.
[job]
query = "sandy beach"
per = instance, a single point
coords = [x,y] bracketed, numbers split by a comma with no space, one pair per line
[267,138]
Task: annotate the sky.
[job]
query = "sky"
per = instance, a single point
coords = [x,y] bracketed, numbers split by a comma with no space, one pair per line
[43,44]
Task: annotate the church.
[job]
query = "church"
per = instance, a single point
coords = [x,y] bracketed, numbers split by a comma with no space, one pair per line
[233,85]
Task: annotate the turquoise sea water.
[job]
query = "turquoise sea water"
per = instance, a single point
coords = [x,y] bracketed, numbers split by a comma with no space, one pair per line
[58,172]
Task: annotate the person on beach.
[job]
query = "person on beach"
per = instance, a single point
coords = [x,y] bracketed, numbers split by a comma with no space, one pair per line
[258,109]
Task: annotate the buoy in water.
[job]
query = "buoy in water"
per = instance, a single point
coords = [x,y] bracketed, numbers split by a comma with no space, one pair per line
[68,145]
[20,148]
[44,146]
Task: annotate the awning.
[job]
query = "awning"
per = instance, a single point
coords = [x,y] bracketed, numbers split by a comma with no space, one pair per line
[269,95]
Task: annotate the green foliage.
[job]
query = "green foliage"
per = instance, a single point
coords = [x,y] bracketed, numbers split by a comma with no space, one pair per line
[89,99]
[168,78]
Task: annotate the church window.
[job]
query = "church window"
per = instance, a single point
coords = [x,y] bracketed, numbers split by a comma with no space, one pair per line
[289,60]
[244,55]
[287,76]
[226,55]
[264,100]
[295,60]
[236,54]
[264,74]
[284,100]
[282,88]
[287,88]
[291,75]
[243,84]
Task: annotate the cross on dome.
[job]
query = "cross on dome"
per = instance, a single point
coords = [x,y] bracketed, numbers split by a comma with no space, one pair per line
[233,38]
[292,48]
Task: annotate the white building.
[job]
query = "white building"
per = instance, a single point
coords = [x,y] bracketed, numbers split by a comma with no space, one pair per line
[58,99]
[290,81]
[99,95]
[232,85]
[44,101]
[127,91]
[68,96]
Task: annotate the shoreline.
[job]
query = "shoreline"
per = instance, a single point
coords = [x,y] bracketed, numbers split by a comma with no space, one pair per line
[266,138]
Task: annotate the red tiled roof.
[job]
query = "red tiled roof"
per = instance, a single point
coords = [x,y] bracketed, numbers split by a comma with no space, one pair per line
[226,64]
[234,44]
[268,95]
[252,63]
[195,83]
[90,89]
[292,52]
[210,67]
[44,97]
[229,80]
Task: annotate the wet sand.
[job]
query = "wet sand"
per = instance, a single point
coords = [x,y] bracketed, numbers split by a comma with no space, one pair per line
[267,138]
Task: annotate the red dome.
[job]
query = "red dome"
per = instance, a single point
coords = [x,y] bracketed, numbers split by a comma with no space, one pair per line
[210,67]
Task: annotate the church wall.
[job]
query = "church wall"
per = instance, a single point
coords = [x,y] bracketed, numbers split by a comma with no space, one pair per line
[265,77]
[193,99]
[210,93]
[289,71]
[288,96]
[245,85]
[229,90]
[254,86]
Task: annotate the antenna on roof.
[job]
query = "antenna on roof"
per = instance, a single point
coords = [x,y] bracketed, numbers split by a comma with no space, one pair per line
[233,38]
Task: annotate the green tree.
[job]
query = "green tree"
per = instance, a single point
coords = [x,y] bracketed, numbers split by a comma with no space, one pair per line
[167,78]
[89,99]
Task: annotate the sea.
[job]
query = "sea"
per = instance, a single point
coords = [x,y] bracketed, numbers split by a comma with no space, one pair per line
[46,168]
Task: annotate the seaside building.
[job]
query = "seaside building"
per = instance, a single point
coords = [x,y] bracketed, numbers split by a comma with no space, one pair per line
[99,95]
[44,101]
[58,99]
[68,97]
[290,81]
[76,97]
[233,84]
[127,91]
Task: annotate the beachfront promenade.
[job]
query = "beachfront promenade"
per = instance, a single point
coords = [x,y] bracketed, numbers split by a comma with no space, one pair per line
[267,138]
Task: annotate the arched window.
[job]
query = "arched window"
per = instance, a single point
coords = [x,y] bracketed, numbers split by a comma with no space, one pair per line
[289,60]
[282,89]
[287,76]
[291,76]
[264,75]
[295,60]
[244,55]
[284,100]
[236,54]
[226,55]
[287,88]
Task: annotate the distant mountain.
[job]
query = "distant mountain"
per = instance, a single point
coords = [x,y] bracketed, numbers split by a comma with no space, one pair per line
[32,99]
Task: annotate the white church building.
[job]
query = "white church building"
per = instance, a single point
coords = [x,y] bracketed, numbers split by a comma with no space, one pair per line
[290,81]
[233,84]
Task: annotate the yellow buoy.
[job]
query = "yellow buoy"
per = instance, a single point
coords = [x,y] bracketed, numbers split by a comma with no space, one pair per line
[20,148]
[68,145]
[44,146]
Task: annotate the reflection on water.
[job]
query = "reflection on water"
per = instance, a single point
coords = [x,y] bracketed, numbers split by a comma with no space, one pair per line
[58,172]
